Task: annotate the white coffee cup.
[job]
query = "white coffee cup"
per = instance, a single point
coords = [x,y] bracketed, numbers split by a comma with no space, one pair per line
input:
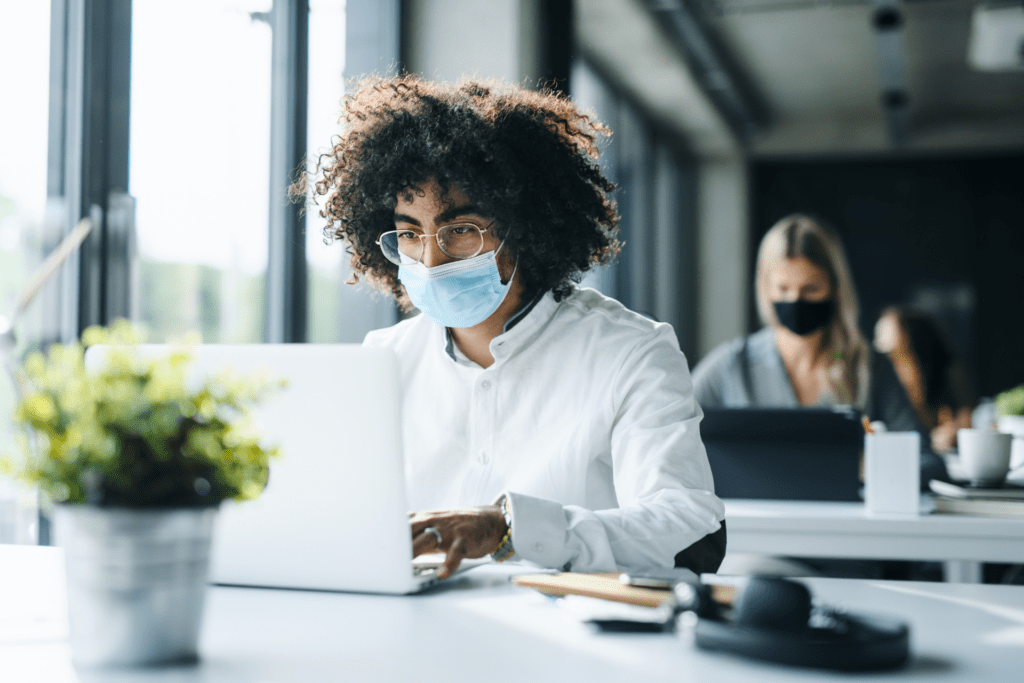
[984,455]
[1014,424]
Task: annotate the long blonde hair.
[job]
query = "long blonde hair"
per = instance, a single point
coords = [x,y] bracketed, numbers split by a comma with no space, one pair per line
[843,346]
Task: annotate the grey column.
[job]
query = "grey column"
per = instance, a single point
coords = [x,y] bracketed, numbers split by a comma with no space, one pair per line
[287,286]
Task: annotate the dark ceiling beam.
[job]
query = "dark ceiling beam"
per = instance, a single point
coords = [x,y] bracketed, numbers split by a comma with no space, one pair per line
[733,97]
[887,19]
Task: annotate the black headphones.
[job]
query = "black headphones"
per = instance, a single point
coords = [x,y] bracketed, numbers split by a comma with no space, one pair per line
[773,620]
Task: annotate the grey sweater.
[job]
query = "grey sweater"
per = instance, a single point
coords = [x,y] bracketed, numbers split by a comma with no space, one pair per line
[721,380]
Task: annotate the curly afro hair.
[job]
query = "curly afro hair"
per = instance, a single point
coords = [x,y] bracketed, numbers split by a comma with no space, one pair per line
[528,159]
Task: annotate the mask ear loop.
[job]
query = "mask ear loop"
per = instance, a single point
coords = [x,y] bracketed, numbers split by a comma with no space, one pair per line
[510,277]
[514,268]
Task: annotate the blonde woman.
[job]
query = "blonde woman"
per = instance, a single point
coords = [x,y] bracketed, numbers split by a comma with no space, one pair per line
[811,351]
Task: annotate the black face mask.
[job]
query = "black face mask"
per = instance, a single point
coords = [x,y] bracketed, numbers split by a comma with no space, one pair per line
[804,317]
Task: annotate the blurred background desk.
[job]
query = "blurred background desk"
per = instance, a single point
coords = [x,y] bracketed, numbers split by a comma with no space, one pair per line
[846,530]
[480,626]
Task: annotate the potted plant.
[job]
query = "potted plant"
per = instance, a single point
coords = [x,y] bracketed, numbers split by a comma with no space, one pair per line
[136,462]
[1010,410]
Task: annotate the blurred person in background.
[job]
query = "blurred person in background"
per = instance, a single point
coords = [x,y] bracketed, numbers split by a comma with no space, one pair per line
[810,352]
[935,382]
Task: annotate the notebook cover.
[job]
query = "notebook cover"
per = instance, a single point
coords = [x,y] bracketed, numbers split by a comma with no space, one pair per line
[982,507]
[1006,492]
[606,585]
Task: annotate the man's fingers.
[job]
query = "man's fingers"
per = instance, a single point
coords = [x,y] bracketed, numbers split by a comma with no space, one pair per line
[479,529]
[425,542]
[452,559]
[418,525]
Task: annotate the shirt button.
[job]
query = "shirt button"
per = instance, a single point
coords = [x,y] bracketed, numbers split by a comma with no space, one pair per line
[482,458]
[486,384]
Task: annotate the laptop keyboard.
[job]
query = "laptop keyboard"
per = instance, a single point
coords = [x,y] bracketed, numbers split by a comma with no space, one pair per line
[424,570]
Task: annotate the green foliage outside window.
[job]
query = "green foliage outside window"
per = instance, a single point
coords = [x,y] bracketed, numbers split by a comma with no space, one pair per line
[133,433]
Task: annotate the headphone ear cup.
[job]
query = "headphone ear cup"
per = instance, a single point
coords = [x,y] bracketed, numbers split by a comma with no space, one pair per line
[775,604]
[771,624]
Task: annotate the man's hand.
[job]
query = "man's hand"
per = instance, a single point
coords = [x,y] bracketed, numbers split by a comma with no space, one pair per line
[465,533]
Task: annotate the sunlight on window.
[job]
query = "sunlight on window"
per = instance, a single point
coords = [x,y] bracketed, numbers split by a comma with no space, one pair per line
[199,166]
[25,42]
[24,93]
[328,267]
[337,312]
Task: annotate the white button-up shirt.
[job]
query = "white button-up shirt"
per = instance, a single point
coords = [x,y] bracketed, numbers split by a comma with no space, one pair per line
[586,421]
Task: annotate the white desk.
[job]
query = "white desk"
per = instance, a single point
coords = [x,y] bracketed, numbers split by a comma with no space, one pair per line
[479,627]
[846,530]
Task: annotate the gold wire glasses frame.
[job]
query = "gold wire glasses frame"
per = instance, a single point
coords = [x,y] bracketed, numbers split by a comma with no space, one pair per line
[459,241]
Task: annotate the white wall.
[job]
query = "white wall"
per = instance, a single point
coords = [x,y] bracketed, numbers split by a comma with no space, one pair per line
[448,39]
[724,286]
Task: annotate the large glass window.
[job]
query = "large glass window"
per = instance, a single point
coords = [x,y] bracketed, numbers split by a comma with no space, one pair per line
[199,166]
[24,93]
[655,195]
[338,312]
[327,263]
[591,94]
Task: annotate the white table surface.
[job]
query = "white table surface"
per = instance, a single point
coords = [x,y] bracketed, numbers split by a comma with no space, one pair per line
[815,529]
[480,627]
[846,530]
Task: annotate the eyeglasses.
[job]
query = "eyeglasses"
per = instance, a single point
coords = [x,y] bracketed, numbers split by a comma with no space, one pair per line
[459,241]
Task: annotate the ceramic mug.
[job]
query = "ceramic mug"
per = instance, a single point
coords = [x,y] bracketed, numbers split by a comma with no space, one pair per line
[984,455]
[1014,424]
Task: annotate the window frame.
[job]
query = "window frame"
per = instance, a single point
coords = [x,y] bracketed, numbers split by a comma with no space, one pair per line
[88,154]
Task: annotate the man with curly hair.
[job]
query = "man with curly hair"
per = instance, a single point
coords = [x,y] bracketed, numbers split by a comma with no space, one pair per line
[540,419]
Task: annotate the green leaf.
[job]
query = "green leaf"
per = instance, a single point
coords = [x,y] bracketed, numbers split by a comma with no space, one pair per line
[132,433]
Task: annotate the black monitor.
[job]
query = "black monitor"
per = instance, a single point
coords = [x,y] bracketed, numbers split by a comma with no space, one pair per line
[785,453]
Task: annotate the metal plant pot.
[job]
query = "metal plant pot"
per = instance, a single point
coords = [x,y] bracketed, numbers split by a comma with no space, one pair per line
[136,582]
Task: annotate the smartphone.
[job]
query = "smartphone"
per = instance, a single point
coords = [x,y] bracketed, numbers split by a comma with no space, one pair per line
[663,579]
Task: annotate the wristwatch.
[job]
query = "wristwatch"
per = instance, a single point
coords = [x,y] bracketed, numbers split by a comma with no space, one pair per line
[504,549]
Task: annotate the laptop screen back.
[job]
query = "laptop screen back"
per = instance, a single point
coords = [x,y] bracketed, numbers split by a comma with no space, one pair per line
[333,515]
[784,454]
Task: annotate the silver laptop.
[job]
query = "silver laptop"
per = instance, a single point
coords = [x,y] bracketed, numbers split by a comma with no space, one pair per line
[333,515]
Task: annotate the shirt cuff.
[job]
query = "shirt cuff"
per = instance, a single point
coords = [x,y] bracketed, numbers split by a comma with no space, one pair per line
[538,529]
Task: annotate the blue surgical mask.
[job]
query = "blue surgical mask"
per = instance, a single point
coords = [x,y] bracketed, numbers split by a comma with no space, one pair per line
[457,294]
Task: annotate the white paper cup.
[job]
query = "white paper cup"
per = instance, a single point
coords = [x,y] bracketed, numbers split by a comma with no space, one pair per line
[892,473]
[984,455]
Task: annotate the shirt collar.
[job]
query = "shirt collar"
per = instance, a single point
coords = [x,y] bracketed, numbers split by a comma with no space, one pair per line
[521,313]
[522,327]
